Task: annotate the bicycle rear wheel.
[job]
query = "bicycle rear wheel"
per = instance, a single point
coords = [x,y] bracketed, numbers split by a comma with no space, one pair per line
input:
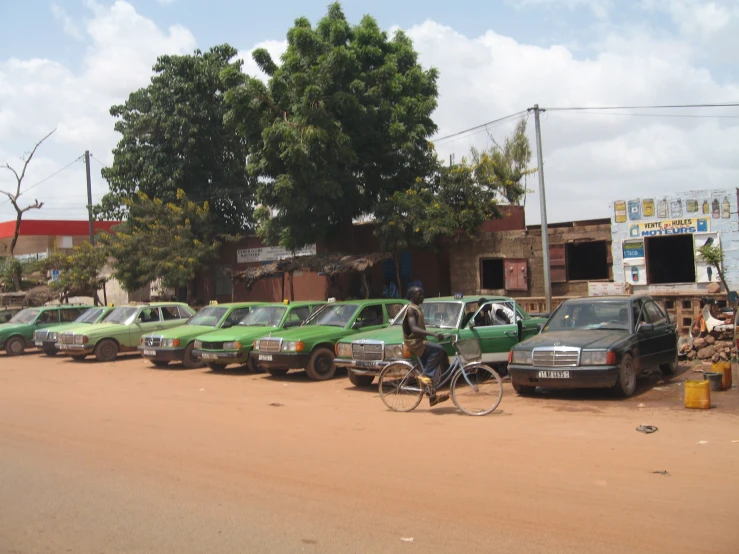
[399,387]
[477,389]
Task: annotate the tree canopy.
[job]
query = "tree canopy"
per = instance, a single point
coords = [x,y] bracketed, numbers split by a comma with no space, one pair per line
[79,270]
[161,240]
[342,124]
[173,138]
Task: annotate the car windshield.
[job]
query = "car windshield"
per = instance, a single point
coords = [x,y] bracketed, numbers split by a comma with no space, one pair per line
[334,315]
[590,315]
[208,316]
[24,316]
[443,315]
[123,315]
[265,316]
[89,316]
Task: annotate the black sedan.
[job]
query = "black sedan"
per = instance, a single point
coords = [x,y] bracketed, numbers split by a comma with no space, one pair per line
[596,342]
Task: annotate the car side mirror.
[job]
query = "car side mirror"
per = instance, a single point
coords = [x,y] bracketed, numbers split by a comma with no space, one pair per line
[645,328]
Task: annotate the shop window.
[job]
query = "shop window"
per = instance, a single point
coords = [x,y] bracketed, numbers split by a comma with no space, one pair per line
[670,259]
[492,274]
[587,261]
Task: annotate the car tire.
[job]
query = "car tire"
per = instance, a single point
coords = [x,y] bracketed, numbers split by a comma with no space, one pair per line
[669,368]
[15,346]
[277,372]
[188,360]
[106,350]
[523,390]
[626,381]
[360,380]
[160,363]
[321,365]
[252,367]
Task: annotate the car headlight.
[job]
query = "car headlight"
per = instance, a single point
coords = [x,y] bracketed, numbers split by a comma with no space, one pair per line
[170,343]
[234,345]
[598,357]
[81,339]
[293,346]
[198,345]
[52,336]
[524,357]
[394,351]
[343,350]
[35,336]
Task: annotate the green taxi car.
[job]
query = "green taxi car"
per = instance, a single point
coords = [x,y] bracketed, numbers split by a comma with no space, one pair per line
[311,346]
[122,329]
[16,335]
[46,339]
[497,322]
[221,348]
[178,344]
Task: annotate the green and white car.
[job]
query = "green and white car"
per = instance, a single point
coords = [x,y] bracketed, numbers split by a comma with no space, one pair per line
[366,354]
[221,348]
[311,346]
[17,334]
[46,339]
[178,344]
[122,329]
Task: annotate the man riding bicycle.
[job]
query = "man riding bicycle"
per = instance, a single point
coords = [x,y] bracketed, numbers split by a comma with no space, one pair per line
[429,353]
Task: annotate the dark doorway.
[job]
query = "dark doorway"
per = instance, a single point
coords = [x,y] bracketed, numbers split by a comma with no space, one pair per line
[670,259]
[587,261]
[492,275]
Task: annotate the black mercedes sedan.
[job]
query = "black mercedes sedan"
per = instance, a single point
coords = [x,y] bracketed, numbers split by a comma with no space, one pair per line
[596,342]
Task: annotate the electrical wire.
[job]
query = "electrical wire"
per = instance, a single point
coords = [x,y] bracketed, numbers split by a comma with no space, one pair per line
[478,128]
[666,106]
[70,164]
[702,116]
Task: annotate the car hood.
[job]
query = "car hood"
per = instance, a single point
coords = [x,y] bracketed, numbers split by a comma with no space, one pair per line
[182,332]
[593,339]
[311,333]
[240,333]
[102,328]
[392,334]
[61,327]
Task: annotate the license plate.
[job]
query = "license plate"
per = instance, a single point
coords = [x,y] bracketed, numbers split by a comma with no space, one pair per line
[363,363]
[150,352]
[210,356]
[39,343]
[265,357]
[554,375]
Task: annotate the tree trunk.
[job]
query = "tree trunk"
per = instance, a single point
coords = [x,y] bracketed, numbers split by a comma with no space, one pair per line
[366,285]
[105,294]
[396,259]
[233,290]
[17,275]
[16,232]
[292,286]
[283,285]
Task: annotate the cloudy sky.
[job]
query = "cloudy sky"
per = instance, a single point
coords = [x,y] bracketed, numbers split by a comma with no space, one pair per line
[64,63]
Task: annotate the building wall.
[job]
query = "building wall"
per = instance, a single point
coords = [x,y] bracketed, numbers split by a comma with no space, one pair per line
[703,214]
[465,257]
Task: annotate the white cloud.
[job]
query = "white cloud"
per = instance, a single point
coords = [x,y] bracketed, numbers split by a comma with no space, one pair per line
[275,48]
[69,26]
[166,2]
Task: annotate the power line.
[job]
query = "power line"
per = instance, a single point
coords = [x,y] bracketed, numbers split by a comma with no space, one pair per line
[480,127]
[70,164]
[702,116]
[658,107]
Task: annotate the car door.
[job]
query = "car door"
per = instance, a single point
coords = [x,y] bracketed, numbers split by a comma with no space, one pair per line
[147,321]
[648,340]
[369,317]
[45,319]
[497,334]
[664,332]
[529,327]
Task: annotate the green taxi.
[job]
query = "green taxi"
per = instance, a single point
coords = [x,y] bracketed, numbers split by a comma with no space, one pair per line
[221,348]
[178,344]
[17,334]
[122,329]
[498,323]
[311,346]
[46,339]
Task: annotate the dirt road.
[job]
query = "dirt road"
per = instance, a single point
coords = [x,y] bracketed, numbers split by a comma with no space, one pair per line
[121,457]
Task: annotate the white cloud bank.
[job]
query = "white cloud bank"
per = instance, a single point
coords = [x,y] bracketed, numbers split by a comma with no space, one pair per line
[590,159]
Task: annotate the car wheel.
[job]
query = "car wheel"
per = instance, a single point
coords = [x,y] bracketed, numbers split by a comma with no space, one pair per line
[106,350]
[160,363]
[188,360]
[360,380]
[626,382]
[321,365]
[523,389]
[277,372]
[669,368]
[15,346]
[251,367]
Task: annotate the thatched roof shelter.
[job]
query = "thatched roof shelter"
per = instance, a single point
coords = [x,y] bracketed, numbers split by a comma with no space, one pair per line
[330,264]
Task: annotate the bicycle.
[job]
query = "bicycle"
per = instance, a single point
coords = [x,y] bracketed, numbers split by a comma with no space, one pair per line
[470,382]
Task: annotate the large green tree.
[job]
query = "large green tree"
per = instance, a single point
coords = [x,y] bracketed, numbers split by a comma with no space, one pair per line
[173,137]
[79,270]
[342,124]
[161,241]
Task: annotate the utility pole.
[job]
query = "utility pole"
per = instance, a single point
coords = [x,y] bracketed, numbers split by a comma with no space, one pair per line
[89,197]
[543,206]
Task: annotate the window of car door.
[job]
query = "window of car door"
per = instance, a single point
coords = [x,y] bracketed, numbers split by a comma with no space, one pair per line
[236,315]
[70,315]
[297,316]
[48,316]
[655,314]
[370,316]
[148,315]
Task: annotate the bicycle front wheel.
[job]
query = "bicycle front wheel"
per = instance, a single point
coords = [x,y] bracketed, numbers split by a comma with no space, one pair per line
[399,387]
[477,389]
